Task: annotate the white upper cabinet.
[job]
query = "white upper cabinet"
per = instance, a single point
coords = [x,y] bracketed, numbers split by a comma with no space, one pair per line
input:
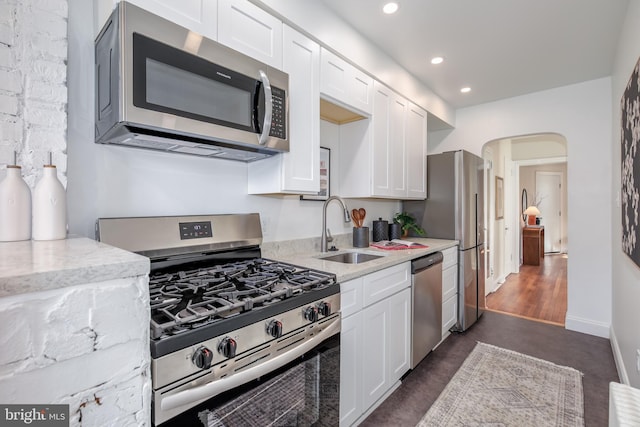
[246,28]
[344,83]
[389,112]
[200,16]
[298,170]
[387,159]
[416,149]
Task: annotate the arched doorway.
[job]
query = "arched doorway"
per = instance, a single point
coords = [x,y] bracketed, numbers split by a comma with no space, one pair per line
[518,171]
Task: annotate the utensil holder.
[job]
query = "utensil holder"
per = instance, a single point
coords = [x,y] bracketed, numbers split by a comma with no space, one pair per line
[361,237]
[395,231]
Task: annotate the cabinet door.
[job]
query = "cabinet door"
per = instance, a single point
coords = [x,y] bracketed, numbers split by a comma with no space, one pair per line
[298,171]
[199,16]
[449,314]
[397,147]
[302,63]
[351,369]
[361,90]
[375,379]
[416,148]
[248,29]
[382,116]
[399,334]
[344,83]
[449,282]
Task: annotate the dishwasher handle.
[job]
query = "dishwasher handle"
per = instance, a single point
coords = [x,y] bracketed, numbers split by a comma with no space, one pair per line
[419,264]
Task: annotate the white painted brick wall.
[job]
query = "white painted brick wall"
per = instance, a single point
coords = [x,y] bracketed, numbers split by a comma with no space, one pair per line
[86,346]
[33,85]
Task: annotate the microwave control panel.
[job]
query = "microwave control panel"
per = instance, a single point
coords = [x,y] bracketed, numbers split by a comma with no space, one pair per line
[279,114]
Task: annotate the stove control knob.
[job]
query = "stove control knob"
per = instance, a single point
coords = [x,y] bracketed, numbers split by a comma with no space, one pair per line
[202,357]
[311,314]
[227,347]
[324,308]
[274,328]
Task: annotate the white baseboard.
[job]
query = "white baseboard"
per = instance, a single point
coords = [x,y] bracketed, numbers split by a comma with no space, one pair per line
[587,326]
[617,357]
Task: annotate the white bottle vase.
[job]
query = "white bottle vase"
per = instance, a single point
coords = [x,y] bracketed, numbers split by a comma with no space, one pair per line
[49,207]
[15,207]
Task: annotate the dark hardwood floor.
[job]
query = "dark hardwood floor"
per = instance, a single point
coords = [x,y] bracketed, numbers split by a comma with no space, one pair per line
[537,292]
[420,388]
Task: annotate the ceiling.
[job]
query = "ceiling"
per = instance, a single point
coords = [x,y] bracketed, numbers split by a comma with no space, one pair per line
[499,48]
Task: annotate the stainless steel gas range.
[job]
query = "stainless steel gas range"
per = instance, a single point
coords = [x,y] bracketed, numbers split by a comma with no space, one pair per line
[235,339]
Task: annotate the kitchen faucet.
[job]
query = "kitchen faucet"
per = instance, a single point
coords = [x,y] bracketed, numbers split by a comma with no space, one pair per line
[347,218]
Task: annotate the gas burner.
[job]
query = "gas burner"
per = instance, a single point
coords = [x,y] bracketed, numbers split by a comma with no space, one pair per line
[188,299]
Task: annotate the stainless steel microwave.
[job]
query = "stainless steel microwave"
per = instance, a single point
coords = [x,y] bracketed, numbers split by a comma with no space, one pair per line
[163,87]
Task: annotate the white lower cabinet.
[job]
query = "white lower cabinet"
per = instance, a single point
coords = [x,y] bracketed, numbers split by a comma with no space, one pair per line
[449,289]
[350,378]
[375,339]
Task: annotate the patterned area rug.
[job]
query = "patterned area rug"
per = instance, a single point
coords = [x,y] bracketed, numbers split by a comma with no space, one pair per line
[495,387]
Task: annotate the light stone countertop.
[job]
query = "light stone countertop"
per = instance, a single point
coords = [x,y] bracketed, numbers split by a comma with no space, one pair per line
[346,272]
[32,266]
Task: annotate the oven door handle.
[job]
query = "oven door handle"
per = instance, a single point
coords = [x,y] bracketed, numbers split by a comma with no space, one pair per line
[218,386]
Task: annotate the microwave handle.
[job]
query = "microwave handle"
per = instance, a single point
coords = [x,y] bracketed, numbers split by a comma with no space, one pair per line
[268,110]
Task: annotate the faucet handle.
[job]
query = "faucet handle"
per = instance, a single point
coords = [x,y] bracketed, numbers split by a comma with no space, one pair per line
[329,236]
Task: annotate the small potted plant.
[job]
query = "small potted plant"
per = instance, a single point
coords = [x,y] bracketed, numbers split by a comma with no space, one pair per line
[408,223]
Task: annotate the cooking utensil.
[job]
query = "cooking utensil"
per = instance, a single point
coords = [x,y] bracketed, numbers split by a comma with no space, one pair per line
[363,213]
[355,216]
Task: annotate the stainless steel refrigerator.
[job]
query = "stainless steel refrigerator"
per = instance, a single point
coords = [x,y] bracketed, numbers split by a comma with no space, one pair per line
[454,209]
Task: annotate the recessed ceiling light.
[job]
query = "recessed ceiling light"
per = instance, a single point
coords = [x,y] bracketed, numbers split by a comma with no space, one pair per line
[390,8]
[437,60]
[465,89]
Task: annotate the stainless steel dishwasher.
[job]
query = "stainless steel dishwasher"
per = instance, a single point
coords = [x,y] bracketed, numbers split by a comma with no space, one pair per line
[426,311]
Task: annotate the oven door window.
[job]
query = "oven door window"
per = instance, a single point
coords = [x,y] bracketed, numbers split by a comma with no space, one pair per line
[170,80]
[305,392]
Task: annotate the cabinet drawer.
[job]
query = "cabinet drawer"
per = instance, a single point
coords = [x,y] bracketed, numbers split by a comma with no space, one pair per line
[449,282]
[449,313]
[450,257]
[351,297]
[384,283]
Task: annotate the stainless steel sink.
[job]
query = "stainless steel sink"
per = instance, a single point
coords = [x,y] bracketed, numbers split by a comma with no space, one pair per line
[351,257]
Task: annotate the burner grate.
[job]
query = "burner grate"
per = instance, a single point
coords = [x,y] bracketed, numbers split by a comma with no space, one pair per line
[185,300]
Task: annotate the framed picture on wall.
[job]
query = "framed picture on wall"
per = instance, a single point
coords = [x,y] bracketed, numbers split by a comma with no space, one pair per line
[499,198]
[325,174]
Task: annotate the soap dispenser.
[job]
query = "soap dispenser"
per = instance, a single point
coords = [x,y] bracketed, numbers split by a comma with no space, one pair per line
[49,206]
[15,206]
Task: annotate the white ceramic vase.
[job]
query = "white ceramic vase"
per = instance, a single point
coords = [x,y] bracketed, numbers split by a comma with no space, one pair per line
[49,207]
[15,207]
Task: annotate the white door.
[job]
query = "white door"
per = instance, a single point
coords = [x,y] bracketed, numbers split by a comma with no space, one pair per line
[549,189]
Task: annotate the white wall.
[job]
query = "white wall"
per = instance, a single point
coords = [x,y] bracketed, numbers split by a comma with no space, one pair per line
[626,275]
[582,114]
